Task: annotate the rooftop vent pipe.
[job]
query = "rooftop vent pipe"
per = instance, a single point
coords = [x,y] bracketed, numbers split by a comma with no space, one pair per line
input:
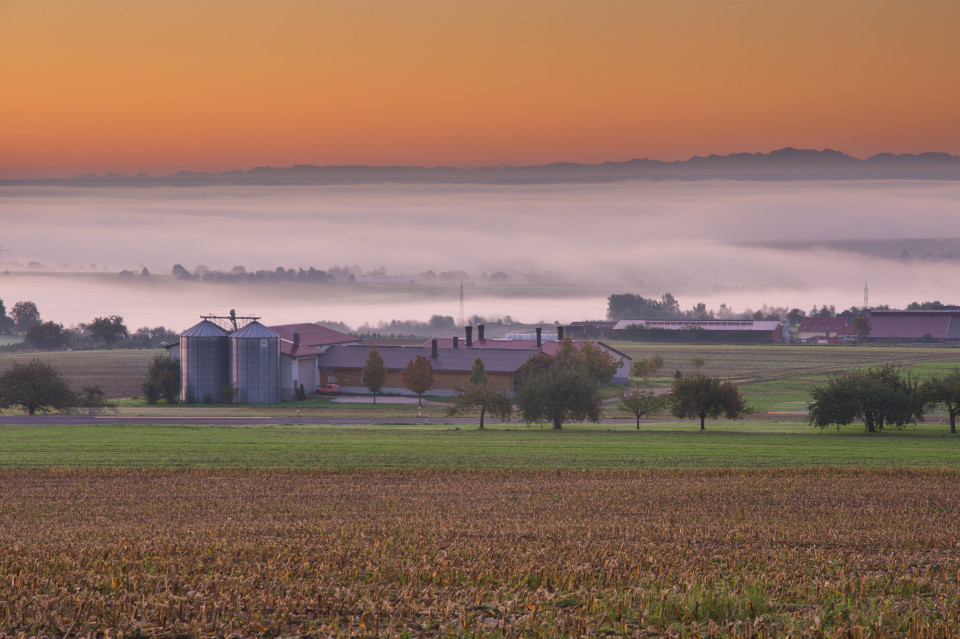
[539,337]
[560,333]
[469,330]
[433,348]
[296,338]
[480,328]
[456,341]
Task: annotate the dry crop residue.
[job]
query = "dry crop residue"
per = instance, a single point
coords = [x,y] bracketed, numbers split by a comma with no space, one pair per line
[517,553]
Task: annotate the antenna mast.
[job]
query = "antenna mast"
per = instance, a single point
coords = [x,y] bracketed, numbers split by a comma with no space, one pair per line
[866,297]
[461,304]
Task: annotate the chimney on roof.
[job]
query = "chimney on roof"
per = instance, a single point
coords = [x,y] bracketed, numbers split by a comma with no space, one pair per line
[433,348]
[456,341]
[480,328]
[539,337]
[560,333]
[296,338]
[469,330]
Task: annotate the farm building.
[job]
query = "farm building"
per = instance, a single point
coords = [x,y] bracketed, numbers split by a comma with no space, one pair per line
[704,330]
[451,366]
[825,327]
[264,363]
[918,326]
[534,343]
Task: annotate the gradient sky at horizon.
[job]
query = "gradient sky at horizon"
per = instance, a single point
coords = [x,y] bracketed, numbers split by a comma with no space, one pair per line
[119,86]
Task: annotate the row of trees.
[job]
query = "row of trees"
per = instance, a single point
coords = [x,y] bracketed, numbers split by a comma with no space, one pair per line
[883,397]
[102,332]
[631,306]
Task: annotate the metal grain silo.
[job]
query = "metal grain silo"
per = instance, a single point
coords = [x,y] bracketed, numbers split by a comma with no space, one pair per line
[255,364]
[204,362]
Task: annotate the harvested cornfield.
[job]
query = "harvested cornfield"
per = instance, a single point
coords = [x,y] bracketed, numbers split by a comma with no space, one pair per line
[756,553]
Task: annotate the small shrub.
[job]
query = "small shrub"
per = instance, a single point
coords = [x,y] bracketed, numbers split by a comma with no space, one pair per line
[207,398]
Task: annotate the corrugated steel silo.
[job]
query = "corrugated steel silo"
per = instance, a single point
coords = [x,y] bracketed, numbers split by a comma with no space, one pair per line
[204,362]
[255,364]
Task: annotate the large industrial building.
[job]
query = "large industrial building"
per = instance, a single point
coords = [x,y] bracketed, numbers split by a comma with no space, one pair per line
[704,330]
[914,326]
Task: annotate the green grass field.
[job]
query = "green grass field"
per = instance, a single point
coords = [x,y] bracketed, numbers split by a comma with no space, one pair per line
[656,445]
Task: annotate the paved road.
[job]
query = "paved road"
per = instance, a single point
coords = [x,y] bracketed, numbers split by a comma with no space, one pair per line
[76,420]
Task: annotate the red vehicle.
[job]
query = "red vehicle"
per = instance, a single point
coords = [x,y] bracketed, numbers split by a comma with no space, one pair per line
[329,389]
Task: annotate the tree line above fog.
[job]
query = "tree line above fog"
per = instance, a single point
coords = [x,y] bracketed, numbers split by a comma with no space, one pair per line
[782,164]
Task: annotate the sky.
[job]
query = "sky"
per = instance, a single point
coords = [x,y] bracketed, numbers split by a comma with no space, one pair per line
[132,86]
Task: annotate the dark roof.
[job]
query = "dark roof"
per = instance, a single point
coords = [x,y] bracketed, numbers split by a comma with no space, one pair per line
[550,347]
[495,360]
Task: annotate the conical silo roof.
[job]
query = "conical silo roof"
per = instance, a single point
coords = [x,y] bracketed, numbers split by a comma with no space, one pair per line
[254,330]
[206,328]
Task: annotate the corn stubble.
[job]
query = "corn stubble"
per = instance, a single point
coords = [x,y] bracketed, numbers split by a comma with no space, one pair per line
[756,553]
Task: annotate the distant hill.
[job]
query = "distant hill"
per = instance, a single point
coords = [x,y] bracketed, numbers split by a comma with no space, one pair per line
[782,164]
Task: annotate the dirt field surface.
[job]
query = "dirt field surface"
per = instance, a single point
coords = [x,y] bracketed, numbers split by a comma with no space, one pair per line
[756,553]
[118,372]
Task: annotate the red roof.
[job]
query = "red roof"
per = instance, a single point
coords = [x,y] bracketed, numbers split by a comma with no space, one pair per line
[313,335]
[835,325]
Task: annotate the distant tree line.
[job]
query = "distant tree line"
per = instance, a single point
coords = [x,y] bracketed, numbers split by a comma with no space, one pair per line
[102,332]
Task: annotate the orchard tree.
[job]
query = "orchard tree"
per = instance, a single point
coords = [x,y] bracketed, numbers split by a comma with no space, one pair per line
[701,396]
[418,377]
[36,386]
[25,315]
[374,373]
[646,367]
[639,401]
[107,330]
[596,362]
[558,396]
[878,397]
[944,390]
[479,394]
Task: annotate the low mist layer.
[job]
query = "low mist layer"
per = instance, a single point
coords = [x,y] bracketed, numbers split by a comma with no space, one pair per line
[563,247]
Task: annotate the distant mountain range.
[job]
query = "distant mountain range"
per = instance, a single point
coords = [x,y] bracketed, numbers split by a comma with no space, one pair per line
[782,164]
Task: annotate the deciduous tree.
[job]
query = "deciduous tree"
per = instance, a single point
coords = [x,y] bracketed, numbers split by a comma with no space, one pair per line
[163,380]
[36,386]
[107,330]
[701,396]
[374,373]
[597,363]
[639,401]
[418,377]
[47,336]
[558,396]
[944,390]
[25,315]
[877,396]
[861,326]
[480,395]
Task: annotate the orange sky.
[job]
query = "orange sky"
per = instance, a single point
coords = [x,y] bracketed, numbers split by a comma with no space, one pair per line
[130,85]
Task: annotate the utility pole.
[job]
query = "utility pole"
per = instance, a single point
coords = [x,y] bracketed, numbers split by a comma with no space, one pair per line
[461,304]
[866,297]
